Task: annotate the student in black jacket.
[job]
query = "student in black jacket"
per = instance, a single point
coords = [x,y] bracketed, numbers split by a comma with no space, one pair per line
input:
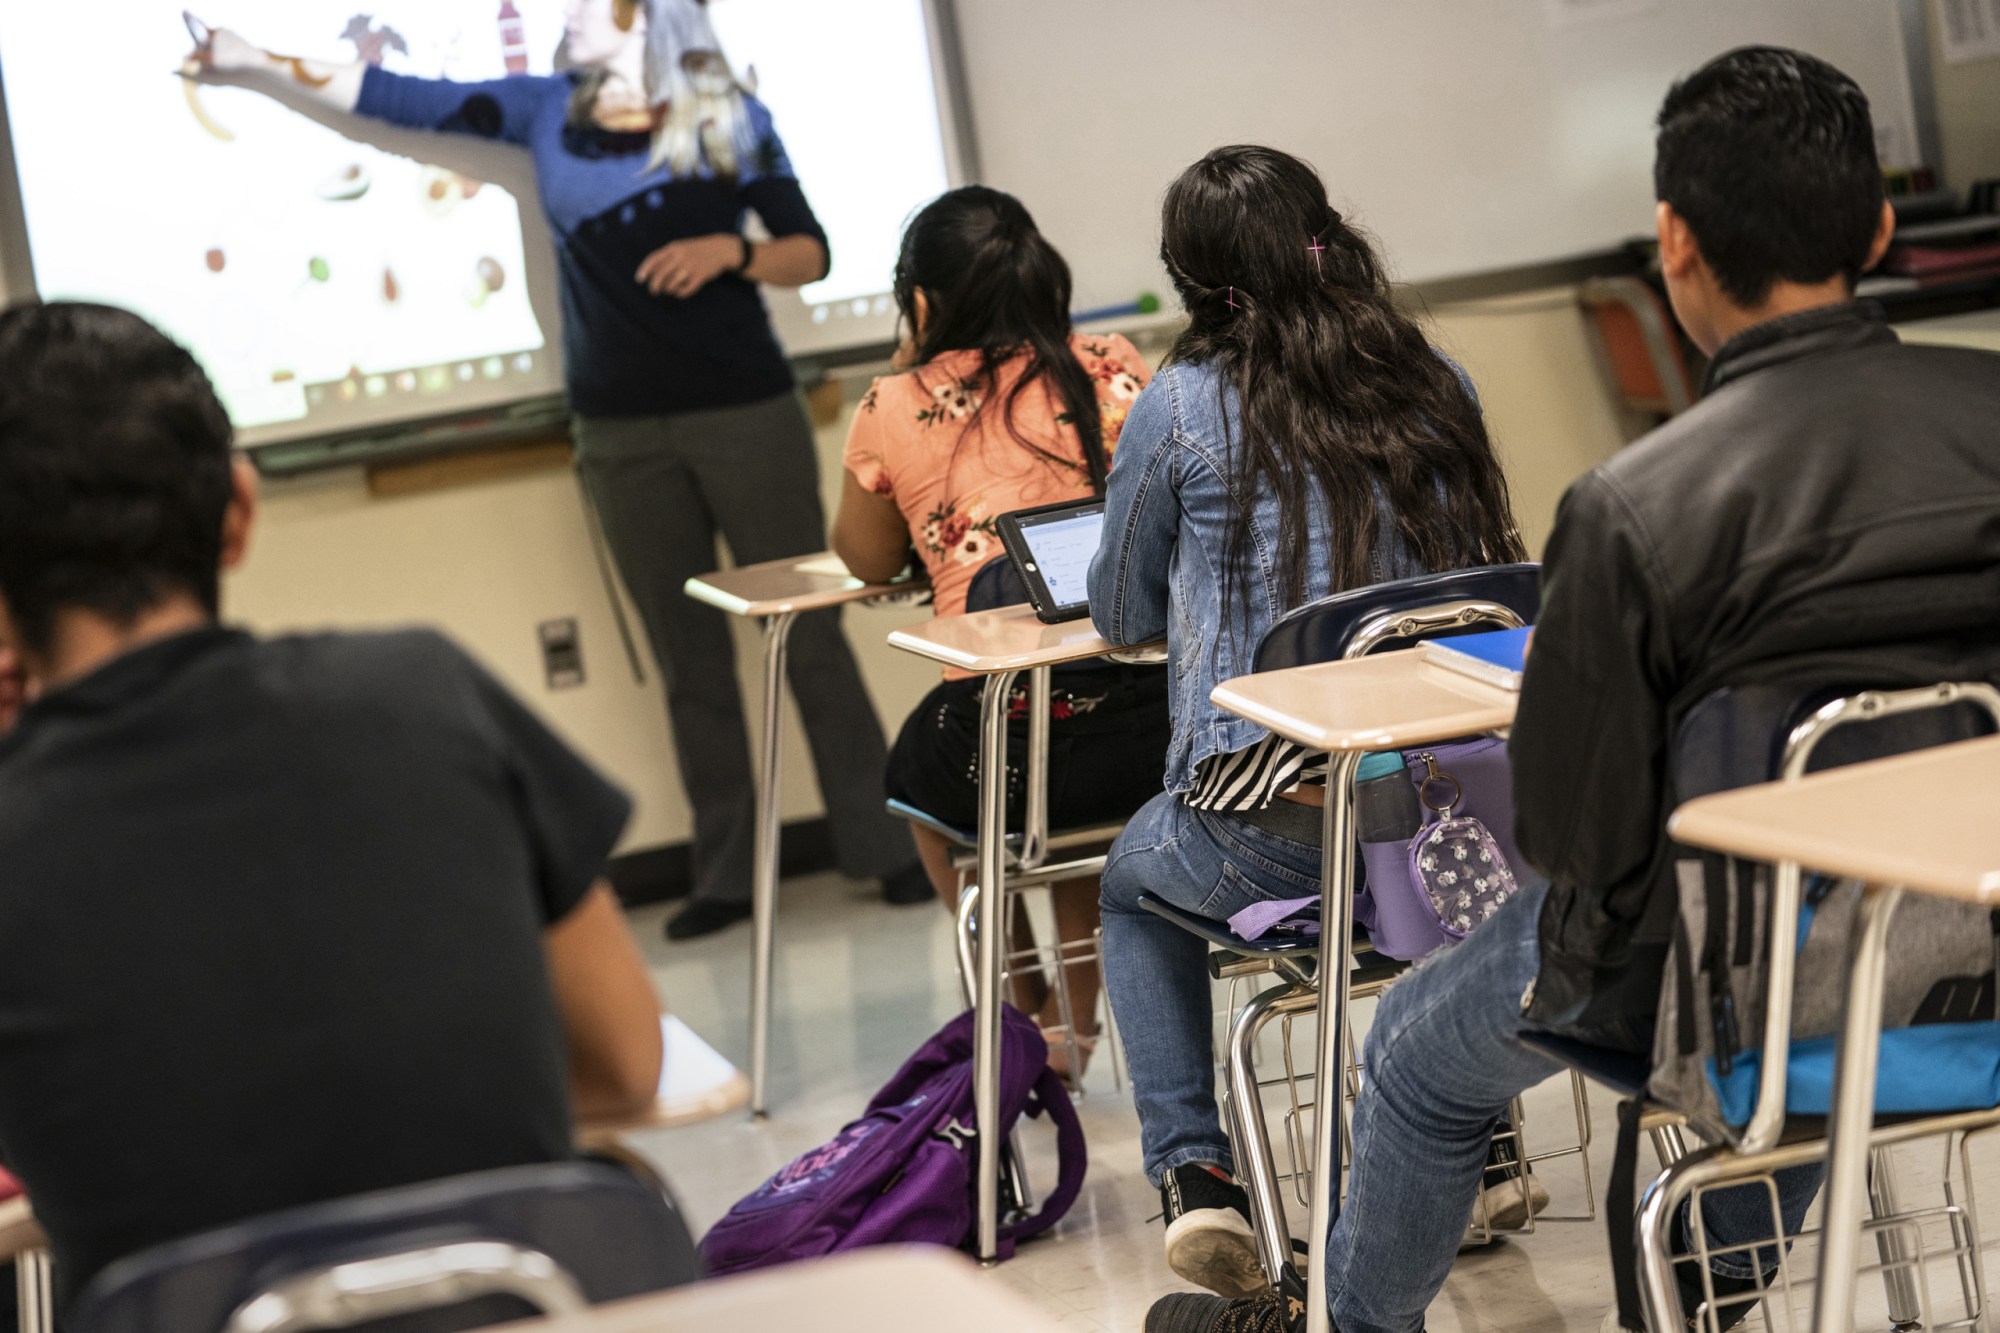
[1834,499]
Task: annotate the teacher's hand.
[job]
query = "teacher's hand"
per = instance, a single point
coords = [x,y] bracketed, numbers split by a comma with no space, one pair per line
[220,51]
[685,267]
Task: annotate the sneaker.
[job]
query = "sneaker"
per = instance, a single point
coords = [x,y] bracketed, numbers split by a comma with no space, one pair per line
[1209,1240]
[1503,1203]
[1191,1312]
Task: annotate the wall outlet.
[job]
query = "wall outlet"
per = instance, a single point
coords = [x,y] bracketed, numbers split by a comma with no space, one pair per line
[562,653]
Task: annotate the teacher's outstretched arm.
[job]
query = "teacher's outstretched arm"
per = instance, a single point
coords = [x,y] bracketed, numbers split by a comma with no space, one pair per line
[222,56]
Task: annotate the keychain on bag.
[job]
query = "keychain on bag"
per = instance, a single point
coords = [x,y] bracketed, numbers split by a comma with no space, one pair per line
[1454,859]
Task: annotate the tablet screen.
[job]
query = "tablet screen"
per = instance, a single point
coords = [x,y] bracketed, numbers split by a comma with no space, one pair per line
[1062,546]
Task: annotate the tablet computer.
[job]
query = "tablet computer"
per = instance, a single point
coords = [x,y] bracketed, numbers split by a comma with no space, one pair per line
[1051,548]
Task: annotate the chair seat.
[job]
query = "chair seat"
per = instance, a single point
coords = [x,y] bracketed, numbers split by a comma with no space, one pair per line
[1221,936]
[968,838]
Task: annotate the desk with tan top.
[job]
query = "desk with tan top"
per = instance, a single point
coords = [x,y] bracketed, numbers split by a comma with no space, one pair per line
[776,594]
[1916,823]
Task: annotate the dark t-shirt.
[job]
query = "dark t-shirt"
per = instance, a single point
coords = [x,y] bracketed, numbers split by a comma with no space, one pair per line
[627,352]
[271,920]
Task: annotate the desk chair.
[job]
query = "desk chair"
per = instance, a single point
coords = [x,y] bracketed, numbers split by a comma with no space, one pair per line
[1637,346]
[1734,738]
[1028,852]
[454,1254]
[1346,625]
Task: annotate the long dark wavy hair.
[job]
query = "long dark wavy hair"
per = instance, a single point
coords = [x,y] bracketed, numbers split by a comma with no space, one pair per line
[1339,391]
[994,285]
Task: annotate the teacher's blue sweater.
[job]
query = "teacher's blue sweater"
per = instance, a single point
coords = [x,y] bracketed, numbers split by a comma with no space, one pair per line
[628,353]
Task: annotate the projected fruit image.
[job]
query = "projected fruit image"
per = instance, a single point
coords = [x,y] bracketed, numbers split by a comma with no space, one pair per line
[345,185]
[488,277]
[189,72]
[216,260]
[440,191]
[370,42]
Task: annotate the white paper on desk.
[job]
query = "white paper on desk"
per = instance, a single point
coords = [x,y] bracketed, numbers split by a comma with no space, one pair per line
[1968,29]
[828,564]
[692,1069]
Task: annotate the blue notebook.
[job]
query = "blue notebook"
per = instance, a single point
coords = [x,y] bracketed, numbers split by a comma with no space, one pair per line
[1496,658]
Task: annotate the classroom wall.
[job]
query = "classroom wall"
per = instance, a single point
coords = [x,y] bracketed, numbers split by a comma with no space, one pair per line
[487,562]
[1968,103]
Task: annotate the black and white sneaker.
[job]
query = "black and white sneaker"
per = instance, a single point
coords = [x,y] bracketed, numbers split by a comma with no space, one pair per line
[1268,1312]
[1509,1195]
[1209,1240]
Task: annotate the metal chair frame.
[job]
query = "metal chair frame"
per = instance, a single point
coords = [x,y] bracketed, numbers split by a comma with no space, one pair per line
[1849,1186]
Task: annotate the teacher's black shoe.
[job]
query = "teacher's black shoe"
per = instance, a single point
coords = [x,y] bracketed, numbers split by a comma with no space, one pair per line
[908,887]
[702,917]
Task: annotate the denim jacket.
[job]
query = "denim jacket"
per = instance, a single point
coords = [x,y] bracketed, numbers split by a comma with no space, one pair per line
[1163,559]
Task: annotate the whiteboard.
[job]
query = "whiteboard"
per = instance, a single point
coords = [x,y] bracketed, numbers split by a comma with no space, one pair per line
[1467,135]
[334,274]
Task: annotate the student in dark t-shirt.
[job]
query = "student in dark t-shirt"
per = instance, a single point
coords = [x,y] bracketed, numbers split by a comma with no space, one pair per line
[283,919]
[688,421]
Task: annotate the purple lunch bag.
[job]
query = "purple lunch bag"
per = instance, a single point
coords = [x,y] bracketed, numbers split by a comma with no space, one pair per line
[903,1173]
[1401,905]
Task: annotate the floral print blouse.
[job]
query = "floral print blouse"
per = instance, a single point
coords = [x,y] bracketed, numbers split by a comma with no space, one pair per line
[942,450]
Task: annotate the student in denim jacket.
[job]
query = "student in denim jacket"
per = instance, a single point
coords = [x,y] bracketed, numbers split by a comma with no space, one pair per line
[1304,439]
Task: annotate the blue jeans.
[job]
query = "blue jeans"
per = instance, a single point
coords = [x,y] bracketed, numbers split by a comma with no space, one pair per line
[1157,973]
[1444,1058]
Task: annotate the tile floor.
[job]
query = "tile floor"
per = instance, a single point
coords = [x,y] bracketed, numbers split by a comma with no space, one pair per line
[860,985]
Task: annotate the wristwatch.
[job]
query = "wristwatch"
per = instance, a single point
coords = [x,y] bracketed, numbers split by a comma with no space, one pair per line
[743,264]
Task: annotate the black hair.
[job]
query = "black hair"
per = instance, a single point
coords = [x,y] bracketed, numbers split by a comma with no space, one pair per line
[1769,155]
[114,468]
[1340,394]
[995,285]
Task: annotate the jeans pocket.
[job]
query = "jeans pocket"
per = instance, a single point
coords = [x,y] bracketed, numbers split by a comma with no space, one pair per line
[1236,847]
[1235,891]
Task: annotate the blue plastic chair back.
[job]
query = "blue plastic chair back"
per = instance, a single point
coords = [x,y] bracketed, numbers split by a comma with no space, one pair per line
[996,584]
[1321,631]
[608,1233]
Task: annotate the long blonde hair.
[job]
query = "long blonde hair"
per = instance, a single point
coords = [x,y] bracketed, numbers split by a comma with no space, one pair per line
[689,81]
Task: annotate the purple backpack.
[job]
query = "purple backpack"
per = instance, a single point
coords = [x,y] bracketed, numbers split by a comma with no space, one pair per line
[903,1173]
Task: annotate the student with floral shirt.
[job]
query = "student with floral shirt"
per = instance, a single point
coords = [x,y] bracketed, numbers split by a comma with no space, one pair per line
[1003,408]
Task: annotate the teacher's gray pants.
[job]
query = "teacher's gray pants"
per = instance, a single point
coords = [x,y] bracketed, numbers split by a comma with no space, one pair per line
[663,487]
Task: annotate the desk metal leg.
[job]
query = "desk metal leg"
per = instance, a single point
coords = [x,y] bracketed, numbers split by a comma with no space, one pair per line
[992,909]
[764,879]
[1336,957]
[34,1292]
[1853,1118]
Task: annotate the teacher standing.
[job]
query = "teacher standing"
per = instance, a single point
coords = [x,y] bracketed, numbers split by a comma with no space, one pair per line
[648,156]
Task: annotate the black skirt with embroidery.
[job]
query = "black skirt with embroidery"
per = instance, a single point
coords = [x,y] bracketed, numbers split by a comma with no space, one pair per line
[1108,731]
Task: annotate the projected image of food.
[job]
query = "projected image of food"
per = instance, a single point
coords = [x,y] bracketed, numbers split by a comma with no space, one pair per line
[319,265]
[284,252]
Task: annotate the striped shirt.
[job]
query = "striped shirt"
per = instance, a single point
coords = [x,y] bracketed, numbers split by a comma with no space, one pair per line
[1255,775]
